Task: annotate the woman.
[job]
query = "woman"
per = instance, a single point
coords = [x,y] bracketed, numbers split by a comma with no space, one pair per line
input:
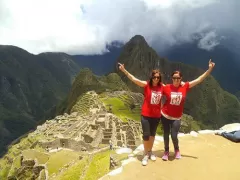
[150,113]
[172,110]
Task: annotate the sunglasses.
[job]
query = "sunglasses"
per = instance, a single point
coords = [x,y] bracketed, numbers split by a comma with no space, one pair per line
[156,77]
[176,77]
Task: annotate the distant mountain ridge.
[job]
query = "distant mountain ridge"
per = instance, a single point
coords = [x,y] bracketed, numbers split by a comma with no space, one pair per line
[30,86]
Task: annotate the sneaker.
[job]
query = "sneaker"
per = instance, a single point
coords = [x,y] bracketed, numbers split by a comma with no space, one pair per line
[145,160]
[165,156]
[152,156]
[178,155]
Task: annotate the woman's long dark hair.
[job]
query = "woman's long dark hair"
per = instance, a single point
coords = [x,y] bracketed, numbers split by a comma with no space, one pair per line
[155,71]
[177,72]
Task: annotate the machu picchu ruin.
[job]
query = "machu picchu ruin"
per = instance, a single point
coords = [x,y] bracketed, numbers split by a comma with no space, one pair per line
[86,132]
[88,128]
[95,127]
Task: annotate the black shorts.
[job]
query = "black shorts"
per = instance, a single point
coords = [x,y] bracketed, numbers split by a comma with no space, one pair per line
[149,125]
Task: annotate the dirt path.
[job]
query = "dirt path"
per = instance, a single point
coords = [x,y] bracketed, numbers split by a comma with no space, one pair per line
[204,157]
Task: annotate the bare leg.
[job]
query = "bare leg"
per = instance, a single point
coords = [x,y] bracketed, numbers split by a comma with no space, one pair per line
[147,146]
[151,141]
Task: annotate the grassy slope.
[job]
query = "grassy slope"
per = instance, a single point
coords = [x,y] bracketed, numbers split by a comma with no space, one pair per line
[41,157]
[121,109]
[90,167]
[59,159]
[14,152]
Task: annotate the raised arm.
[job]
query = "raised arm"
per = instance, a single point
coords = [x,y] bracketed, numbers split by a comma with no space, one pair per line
[131,77]
[203,76]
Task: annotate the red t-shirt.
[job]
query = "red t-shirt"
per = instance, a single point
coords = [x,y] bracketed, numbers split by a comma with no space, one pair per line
[152,101]
[175,98]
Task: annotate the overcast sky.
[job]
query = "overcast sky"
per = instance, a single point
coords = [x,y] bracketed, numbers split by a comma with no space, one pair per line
[85,26]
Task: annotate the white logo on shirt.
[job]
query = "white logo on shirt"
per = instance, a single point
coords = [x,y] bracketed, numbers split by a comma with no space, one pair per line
[176,98]
[156,97]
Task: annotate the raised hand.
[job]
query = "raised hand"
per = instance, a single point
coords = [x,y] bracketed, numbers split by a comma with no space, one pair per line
[121,67]
[211,64]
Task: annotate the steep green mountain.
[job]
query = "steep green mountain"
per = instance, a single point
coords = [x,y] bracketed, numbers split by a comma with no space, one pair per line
[207,102]
[30,86]
[87,81]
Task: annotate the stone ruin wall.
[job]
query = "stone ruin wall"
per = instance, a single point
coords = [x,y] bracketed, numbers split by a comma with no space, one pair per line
[98,138]
[29,165]
[88,132]
[67,143]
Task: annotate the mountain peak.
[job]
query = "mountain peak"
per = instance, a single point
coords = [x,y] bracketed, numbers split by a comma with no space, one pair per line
[138,39]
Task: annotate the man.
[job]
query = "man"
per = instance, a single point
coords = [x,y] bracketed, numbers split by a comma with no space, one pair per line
[110,144]
[232,136]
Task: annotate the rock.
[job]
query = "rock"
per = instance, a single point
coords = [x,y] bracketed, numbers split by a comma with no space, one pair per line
[29,162]
[231,127]
[74,114]
[38,169]
[58,117]
[83,149]
[42,175]
[80,157]
[113,163]
[12,178]
[66,166]
[193,133]
[131,155]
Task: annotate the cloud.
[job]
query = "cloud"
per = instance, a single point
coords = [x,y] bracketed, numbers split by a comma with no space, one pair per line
[208,41]
[86,26]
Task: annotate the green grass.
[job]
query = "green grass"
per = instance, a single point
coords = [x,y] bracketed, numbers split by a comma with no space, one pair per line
[42,175]
[96,167]
[120,109]
[121,157]
[99,166]
[42,158]
[74,172]
[59,159]
[14,151]
[83,104]
[5,169]
[15,165]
